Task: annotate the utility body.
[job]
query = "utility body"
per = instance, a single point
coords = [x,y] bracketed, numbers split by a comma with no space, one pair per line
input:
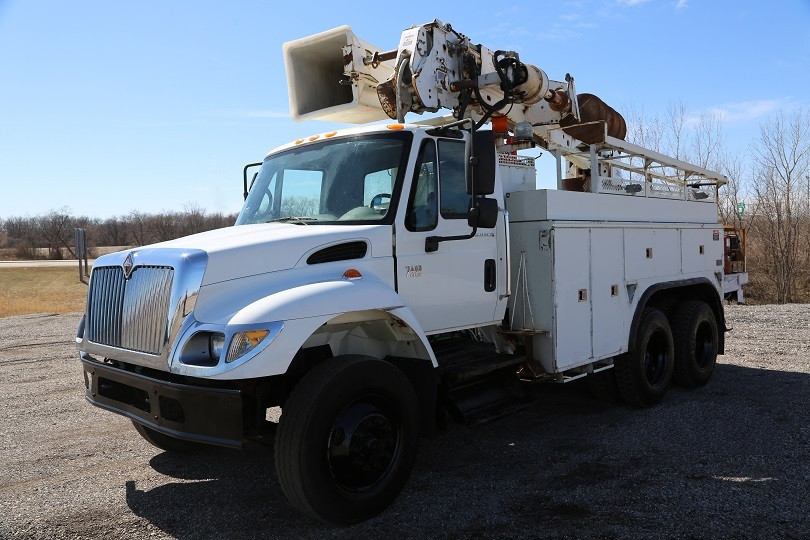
[384,280]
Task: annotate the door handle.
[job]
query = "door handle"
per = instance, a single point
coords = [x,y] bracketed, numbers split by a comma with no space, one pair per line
[490,275]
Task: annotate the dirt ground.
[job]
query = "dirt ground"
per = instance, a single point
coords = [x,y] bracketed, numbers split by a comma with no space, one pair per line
[729,460]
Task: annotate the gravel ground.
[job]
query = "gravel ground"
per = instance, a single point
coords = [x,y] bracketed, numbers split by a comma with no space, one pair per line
[729,460]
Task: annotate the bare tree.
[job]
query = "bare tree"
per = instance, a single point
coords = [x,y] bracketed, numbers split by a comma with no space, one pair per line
[22,236]
[112,232]
[643,129]
[734,193]
[782,161]
[138,228]
[56,232]
[705,142]
[161,227]
[193,219]
[675,129]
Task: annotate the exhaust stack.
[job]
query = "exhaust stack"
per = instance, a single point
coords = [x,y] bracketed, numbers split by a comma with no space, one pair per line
[331,76]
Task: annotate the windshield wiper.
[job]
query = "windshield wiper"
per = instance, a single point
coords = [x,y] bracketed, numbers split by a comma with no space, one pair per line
[300,220]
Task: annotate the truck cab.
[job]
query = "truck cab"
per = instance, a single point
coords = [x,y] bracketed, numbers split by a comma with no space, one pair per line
[410,186]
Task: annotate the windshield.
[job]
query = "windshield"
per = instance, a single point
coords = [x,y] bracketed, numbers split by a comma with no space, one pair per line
[342,181]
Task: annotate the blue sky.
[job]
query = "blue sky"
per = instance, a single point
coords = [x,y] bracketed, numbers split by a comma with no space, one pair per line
[107,107]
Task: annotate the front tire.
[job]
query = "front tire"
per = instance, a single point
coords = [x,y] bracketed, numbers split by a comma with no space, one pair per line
[696,343]
[644,374]
[347,439]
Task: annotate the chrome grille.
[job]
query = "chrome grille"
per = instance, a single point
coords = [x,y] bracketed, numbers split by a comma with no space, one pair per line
[130,313]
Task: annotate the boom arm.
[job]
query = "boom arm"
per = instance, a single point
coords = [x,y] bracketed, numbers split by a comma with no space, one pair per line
[336,76]
[332,74]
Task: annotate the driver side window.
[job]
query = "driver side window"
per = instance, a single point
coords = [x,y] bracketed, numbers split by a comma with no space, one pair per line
[423,207]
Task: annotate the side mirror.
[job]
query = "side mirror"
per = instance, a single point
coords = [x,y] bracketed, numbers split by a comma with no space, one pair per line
[482,166]
[484,215]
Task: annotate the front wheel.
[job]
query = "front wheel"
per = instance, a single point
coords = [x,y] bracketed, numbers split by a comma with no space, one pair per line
[644,374]
[347,439]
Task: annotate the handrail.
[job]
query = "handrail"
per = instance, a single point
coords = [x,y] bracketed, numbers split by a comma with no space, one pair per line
[508,255]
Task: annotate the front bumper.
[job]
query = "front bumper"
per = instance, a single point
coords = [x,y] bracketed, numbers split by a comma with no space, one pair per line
[194,413]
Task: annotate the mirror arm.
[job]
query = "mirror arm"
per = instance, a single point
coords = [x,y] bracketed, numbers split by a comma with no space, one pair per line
[432,242]
[244,177]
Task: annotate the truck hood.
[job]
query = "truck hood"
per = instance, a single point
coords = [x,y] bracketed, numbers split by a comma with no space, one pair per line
[247,250]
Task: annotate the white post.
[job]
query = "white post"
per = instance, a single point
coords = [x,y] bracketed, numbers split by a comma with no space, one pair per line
[596,178]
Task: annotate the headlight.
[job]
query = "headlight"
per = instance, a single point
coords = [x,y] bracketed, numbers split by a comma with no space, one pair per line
[244,342]
[215,345]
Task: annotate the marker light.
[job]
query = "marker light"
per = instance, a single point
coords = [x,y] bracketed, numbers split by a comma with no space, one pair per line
[395,126]
[314,137]
[330,134]
[299,141]
[352,273]
[244,342]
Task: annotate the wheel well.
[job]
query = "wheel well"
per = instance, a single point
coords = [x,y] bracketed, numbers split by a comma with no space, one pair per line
[377,334]
[667,296]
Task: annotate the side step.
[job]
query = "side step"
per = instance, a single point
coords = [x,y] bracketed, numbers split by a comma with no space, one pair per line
[479,383]
[489,398]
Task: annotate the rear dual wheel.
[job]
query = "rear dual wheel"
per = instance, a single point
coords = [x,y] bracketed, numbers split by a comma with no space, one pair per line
[643,375]
[696,343]
[685,352]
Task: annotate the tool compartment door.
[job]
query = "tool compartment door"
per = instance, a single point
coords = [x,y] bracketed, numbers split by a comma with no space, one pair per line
[609,294]
[572,296]
[696,245]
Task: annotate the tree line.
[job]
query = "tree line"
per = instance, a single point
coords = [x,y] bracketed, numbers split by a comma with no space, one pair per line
[51,235]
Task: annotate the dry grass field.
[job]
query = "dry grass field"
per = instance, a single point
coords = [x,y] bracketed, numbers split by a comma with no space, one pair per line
[40,290]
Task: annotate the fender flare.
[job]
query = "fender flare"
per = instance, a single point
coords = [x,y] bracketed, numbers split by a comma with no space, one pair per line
[652,289]
[325,300]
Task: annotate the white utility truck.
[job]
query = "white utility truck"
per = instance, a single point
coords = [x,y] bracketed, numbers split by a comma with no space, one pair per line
[384,280]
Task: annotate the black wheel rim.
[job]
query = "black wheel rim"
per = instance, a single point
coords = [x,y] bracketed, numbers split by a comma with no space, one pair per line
[656,358]
[704,345]
[364,444]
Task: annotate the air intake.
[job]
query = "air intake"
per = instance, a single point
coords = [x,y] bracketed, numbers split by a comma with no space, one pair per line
[339,252]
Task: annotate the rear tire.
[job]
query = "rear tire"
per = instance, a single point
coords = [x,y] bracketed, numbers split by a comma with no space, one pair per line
[696,343]
[347,439]
[166,442]
[644,374]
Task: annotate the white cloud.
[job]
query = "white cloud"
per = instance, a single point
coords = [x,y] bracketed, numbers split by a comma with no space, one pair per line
[746,111]
[681,5]
[632,2]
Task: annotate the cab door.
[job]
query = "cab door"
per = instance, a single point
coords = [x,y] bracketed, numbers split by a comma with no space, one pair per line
[455,286]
